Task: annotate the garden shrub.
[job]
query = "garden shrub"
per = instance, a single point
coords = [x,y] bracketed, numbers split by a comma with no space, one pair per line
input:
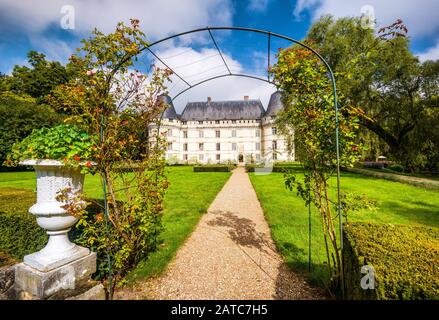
[396,167]
[405,260]
[19,232]
[374,164]
[18,117]
[277,167]
[212,168]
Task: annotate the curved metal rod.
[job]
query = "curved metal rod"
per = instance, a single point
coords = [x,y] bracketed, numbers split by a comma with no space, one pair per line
[220,76]
[334,88]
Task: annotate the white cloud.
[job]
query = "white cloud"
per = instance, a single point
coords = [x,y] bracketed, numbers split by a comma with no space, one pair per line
[54,49]
[158,18]
[430,53]
[258,5]
[195,66]
[419,16]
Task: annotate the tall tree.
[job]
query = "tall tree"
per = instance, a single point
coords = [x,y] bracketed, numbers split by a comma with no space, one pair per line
[390,90]
[40,78]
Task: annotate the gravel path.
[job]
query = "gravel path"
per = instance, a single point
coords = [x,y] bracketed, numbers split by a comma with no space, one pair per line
[230,255]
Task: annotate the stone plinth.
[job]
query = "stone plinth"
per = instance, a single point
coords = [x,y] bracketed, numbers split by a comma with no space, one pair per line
[31,283]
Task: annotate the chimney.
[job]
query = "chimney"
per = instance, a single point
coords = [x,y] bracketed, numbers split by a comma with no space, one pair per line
[209,99]
[246,97]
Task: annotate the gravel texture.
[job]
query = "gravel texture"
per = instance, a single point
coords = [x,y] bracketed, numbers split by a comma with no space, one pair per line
[230,255]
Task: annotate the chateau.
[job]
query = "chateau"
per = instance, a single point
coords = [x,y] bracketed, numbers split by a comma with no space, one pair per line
[239,131]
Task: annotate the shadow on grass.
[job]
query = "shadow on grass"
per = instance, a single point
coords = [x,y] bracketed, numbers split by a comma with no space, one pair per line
[427,215]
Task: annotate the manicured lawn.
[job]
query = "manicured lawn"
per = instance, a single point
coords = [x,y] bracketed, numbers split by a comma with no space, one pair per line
[287,215]
[188,197]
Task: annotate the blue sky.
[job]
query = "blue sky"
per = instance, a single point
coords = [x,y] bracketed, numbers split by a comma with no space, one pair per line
[35,24]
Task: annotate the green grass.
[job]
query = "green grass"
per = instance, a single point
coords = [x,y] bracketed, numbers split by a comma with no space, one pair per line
[287,215]
[187,199]
[407,174]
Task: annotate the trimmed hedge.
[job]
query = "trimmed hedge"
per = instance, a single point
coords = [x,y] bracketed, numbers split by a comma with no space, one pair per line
[211,168]
[19,232]
[405,259]
[276,168]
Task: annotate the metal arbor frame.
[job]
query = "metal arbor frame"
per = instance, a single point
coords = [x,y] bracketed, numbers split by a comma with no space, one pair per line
[229,74]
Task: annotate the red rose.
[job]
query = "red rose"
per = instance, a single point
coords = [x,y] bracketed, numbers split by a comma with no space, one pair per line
[76,157]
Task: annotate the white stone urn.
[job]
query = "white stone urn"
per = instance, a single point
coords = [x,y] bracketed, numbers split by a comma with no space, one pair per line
[53,176]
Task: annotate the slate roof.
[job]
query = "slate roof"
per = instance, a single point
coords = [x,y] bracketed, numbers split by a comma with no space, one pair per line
[223,110]
[169,112]
[275,104]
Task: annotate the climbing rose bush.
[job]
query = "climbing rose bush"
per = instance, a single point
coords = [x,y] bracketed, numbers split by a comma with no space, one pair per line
[113,101]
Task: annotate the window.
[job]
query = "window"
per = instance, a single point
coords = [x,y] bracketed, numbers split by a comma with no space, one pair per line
[200,134]
[185,134]
[273,130]
[233,121]
[233,133]
[169,132]
[200,122]
[274,156]
[258,146]
[185,147]
[184,123]
[201,146]
[185,157]
[217,133]
[258,157]
[258,133]
[218,157]
[234,146]
[200,157]
[274,145]
[217,122]
[218,146]
[170,146]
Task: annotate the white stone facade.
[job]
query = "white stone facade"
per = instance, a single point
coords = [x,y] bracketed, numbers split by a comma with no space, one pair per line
[222,141]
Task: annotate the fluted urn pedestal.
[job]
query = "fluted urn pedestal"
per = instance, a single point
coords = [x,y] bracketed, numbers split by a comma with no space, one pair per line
[52,177]
[61,269]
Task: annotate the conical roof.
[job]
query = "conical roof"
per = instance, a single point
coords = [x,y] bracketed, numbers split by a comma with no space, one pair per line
[169,112]
[275,104]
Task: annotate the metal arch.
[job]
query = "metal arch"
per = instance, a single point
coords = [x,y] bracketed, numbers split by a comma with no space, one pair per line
[217,77]
[334,89]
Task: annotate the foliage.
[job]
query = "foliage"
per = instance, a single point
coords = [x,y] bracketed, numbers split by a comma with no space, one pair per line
[277,167]
[19,233]
[63,142]
[396,167]
[394,95]
[287,216]
[118,104]
[183,207]
[39,79]
[404,258]
[309,110]
[18,117]
[213,168]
